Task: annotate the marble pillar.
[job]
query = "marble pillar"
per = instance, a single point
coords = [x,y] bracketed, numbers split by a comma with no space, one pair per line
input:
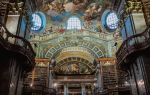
[99,77]
[83,89]
[50,77]
[65,89]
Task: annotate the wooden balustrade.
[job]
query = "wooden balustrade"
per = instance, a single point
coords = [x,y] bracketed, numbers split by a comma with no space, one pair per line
[16,44]
[136,42]
[133,44]
[98,91]
[38,89]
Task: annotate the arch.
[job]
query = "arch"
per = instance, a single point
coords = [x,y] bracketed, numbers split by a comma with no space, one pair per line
[96,50]
[76,53]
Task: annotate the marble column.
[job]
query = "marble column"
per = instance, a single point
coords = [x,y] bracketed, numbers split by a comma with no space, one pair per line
[65,89]
[99,77]
[50,77]
[83,89]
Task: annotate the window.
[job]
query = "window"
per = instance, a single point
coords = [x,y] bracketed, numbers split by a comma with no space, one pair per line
[73,23]
[112,21]
[36,22]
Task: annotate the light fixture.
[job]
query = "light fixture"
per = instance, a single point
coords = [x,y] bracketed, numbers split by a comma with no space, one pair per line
[141,83]
[55,85]
[12,84]
[31,84]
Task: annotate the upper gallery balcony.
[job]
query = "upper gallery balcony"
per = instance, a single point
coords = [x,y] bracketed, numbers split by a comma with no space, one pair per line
[16,44]
[133,45]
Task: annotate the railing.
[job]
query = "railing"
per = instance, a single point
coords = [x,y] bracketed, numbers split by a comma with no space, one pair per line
[133,44]
[75,80]
[18,44]
[99,91]
[38,89]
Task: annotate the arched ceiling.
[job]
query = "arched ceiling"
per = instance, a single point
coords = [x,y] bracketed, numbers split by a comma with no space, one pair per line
[94,43]
[74,52]
[95,50]
[71,48]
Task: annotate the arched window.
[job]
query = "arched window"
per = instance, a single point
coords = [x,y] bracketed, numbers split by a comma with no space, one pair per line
[73,23]
[36,22]
[112,20]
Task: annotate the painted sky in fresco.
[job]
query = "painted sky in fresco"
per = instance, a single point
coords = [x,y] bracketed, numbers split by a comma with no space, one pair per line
[59,11]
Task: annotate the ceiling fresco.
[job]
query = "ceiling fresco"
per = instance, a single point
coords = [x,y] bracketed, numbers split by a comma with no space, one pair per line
[74,49]
[58,11]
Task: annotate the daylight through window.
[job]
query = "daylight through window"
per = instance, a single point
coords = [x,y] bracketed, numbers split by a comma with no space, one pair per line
[74,23]
[36,22]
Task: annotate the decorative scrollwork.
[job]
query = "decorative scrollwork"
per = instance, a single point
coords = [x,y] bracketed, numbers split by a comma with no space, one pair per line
[133,6]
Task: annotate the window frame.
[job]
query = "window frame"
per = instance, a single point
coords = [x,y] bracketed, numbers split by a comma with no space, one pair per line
[37,17]
[109,15]
[43,22]
[76,20]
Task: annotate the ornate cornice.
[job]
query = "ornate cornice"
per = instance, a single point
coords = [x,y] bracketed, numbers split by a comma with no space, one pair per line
[133,6]
[15,8]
